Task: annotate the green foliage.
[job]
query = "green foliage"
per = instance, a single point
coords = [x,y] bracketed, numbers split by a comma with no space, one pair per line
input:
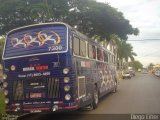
[90,17]
[2,104]
[136,65]
[125,50]
[100,19]
[150,66]
[94,19]
[13,13]
[2,41]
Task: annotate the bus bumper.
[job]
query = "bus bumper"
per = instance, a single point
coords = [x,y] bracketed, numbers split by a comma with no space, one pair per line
[60,107]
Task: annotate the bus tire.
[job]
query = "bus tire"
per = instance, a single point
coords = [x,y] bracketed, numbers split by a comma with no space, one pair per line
[95,97]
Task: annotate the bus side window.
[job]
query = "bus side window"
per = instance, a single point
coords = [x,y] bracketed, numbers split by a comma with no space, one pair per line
[83,48]
[113,59]
[105,56]
[91,51]
[109,59]
[99,54]
[94,52]
[76,45]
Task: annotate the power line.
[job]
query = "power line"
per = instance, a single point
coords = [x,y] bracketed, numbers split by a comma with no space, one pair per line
[144,40]
[152,53]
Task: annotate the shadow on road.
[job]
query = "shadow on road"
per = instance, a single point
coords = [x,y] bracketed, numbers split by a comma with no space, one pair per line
[54,116]
[81,114]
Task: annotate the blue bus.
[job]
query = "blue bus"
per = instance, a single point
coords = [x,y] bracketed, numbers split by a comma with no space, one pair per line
[53,67]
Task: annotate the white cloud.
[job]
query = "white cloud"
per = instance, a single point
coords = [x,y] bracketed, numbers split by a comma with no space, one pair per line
[145,15]
[147,60]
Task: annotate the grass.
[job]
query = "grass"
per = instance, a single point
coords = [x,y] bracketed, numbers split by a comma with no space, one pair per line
[2,104]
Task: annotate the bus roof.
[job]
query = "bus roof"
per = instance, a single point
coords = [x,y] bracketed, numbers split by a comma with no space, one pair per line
[60,23]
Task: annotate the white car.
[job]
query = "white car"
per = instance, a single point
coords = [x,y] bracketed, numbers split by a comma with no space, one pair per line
[157,73]
[126,74]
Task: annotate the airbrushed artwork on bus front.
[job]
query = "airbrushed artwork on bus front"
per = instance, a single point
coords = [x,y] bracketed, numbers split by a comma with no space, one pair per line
[38,39]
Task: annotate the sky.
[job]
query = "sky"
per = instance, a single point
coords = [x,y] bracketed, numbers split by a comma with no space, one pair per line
[145,15]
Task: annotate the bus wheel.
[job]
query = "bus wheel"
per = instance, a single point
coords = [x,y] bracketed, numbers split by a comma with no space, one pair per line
[95,97]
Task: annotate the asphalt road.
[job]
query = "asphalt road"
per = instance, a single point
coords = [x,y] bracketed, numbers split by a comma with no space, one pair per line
[139,95]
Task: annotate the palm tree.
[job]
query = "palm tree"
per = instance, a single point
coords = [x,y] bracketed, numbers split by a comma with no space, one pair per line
[2,40]
[127,51]
[124,50]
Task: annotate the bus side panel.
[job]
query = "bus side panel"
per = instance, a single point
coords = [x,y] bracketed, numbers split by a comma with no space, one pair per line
[106,77]
[96,73]
[83,80]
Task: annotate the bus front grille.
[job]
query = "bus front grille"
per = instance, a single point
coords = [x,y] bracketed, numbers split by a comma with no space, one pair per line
[53,88]
[18,93]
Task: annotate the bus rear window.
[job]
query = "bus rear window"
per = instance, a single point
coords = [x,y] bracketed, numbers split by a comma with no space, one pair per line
[40,39]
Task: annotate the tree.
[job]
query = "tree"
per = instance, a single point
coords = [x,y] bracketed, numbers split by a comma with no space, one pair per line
[100,19]
[2,40]
[125,50]
[97,20]
[90,17]
[150,66]
[17,13]
[136,65]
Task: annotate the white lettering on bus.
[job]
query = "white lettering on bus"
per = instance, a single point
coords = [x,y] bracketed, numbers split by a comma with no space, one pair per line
[55,48]
[21,76]
[34,75]
[28,69]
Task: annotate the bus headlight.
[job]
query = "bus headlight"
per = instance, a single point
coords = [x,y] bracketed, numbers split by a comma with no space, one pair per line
[65,71]
[17,109]
[5,92]
[66,80]
[55,107]
[6,100]
[67,88]
[67,97]
[5,84]
[4,76]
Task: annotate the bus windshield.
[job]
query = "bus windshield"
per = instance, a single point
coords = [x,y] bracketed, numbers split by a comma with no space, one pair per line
[33,40]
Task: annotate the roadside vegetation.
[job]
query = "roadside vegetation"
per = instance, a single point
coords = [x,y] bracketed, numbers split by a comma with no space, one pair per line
[2,104]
